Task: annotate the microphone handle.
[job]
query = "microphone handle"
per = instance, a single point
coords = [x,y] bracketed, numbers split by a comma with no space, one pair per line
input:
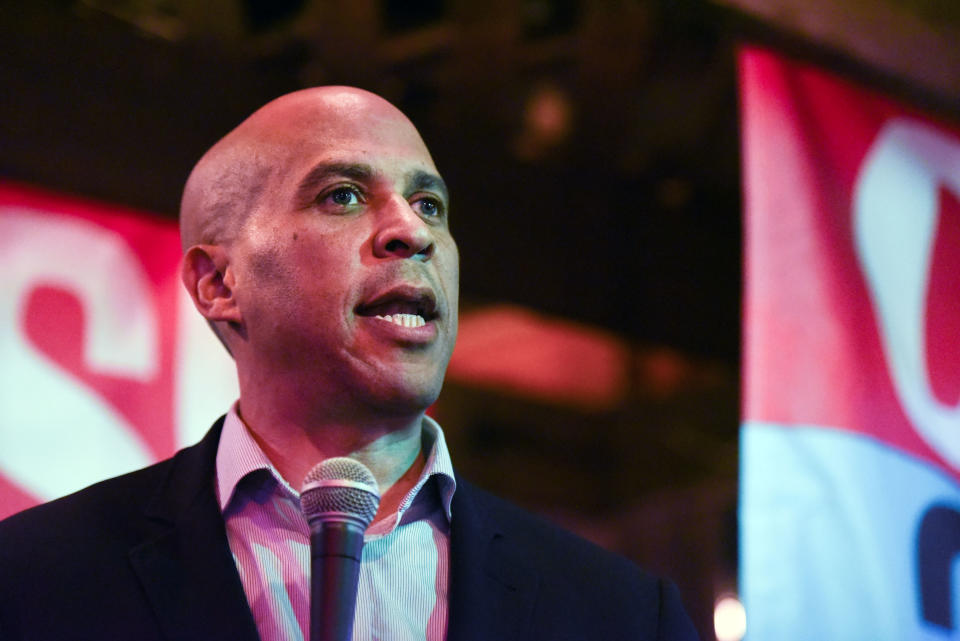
[335,550]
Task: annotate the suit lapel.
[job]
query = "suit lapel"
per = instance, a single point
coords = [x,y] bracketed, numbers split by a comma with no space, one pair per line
[492,589]
[184,563]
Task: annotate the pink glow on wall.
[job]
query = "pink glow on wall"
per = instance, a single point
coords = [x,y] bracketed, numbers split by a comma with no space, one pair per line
[518,351]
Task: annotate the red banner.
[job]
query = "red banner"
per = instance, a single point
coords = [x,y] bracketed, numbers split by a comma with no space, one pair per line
[851,436]
[816,159]
[105,366]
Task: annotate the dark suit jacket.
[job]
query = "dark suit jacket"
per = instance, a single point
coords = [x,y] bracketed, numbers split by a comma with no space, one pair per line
[145,556]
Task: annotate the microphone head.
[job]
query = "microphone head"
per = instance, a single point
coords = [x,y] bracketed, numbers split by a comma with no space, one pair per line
[340,489]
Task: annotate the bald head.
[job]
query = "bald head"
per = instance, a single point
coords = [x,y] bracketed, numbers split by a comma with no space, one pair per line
[298,228]
[229,181]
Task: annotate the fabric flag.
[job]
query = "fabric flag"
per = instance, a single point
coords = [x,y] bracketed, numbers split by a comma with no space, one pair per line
[104,364]
[850,503]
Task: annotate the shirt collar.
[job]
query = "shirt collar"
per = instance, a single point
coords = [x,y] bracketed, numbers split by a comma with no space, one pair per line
[438,465]
[239,455]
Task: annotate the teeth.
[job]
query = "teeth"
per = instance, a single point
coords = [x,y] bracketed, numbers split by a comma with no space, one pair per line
[404,320]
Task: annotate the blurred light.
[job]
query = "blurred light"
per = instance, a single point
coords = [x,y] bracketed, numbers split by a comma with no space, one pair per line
[548,114]
[547,121]
[536,356]
[729,619]
[663,371]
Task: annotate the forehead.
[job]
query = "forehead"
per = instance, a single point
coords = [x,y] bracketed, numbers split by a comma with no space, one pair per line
[341,128]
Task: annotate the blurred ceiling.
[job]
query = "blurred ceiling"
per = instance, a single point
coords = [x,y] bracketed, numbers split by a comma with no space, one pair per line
[591,147]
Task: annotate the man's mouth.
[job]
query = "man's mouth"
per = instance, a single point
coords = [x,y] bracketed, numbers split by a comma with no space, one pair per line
[402,306]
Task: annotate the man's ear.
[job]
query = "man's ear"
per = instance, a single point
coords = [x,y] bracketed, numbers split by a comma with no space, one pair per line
[207,275]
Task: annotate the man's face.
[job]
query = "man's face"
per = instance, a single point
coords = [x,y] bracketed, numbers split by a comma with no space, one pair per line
[345,272]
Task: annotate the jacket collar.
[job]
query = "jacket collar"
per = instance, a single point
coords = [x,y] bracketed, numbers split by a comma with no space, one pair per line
[184,563]
[492,587]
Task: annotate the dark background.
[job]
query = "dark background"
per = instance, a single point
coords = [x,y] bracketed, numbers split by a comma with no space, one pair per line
[593,155]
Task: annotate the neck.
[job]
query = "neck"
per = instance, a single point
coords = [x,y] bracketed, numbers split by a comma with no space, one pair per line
[389,445]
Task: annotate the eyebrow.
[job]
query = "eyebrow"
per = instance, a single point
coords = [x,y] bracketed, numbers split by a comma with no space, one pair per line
[307,189]
[422,180]
[419,180]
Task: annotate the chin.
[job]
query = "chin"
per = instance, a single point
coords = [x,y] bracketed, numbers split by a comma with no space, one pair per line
[415,400]
[406,396]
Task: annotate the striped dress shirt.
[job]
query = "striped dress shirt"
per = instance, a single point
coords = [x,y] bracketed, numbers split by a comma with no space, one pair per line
[404,570]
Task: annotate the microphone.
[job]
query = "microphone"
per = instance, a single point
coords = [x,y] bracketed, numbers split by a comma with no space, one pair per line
[339,499]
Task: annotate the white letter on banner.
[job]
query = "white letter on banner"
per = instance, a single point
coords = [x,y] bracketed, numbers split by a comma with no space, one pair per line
[56,435]
[895,218]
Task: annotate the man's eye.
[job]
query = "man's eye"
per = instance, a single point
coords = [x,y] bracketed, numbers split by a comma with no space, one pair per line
[429,207]
[343,196]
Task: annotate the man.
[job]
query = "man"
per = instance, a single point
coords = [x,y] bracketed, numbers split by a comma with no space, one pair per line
[317,246]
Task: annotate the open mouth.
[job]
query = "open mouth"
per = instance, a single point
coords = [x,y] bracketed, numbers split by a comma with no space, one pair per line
[405,307]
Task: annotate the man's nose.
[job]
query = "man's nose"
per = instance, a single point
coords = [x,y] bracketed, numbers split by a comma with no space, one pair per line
[402,233]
